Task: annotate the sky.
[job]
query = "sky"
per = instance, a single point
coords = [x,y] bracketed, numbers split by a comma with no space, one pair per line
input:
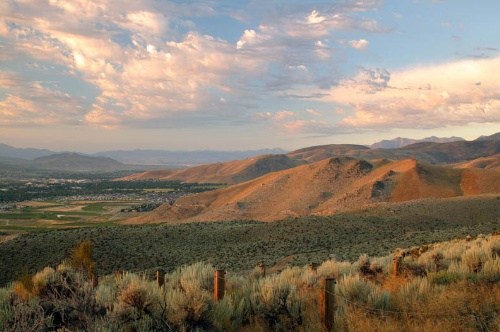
[98,75]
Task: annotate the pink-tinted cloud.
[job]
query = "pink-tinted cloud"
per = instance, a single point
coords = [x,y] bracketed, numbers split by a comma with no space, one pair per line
[425,97]
[361,45]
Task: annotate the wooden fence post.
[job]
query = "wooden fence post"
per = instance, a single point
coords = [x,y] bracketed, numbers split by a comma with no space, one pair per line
[160,277]
[328,304]
[219,284]
[95,280]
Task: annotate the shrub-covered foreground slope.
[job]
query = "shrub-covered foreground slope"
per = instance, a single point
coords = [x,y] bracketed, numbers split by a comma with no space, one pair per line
[451,286]
[241,245]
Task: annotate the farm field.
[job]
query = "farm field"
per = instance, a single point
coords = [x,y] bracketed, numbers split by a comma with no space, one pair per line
[37,216]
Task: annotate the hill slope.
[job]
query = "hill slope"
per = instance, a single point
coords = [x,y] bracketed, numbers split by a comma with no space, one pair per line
[400,142]
[326,187]
[492,162]
[230,172]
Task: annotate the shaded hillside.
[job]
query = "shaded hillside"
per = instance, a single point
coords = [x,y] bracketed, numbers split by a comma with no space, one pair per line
[317,153]
[494,137]
[429,152]
[229,172]
[326,187]
[447,153]
[76,162]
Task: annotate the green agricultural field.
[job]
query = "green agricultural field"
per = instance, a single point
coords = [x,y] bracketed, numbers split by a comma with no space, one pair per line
[36,216]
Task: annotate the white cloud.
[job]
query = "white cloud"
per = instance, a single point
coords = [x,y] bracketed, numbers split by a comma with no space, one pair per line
[361,44]
[313,112]
[143,68]
[28,102]
[426,97]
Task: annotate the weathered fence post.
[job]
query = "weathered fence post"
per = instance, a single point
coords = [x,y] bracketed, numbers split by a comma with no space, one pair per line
[95,280]
[328,304]
[160,277]
[219,284]
[262,269]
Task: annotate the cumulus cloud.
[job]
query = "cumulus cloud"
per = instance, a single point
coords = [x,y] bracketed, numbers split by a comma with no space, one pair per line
[146,62]
[361,44]
[29,102]
[426,97]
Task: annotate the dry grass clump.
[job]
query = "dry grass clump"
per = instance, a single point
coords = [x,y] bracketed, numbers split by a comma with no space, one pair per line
[456,289]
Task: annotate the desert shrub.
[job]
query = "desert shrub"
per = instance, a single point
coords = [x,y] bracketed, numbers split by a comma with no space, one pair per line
[352,290]
[379,300]
[334,269]
[70,298]
[276,299]
[27,315]
[474,258]
[234,310]
[6,312]
[105,295]
[414,293]
[231,312]
[444,277]
[138,303]
[42,279]
[411,269]
[433,261]
[188,295]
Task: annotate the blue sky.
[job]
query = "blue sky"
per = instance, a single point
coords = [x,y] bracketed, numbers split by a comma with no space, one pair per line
[234,75]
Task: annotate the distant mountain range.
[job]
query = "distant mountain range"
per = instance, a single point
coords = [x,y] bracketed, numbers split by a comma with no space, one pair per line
[182,158]
[66,161]
[237,166]
[146,157]
[69,161]
[238,171]
[399,142]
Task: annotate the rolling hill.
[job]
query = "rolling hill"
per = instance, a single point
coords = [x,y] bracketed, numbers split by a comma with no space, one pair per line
[243,170]
[230,172]
[69,161]
[400,142]
[492,162]
[326,187]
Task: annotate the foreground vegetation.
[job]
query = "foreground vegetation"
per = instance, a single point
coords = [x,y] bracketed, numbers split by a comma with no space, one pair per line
[439,287]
